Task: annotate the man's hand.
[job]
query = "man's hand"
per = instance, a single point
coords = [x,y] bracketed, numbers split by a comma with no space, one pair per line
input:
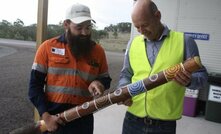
[183,78]
[127,102]
[96,88]
[52,122]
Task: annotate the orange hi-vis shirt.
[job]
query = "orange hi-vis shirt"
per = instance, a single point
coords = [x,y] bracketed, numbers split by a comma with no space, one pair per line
[68,78]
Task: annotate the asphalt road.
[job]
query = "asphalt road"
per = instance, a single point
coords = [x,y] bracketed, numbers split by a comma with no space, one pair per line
[16,59]
[15,108]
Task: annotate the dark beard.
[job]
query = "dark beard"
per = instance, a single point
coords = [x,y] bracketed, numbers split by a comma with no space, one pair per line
[80,45]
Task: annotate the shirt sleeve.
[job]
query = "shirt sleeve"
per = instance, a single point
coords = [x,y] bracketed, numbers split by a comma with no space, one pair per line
[104,76]
[126,72]
[37,80]
[36,91]
[200,77]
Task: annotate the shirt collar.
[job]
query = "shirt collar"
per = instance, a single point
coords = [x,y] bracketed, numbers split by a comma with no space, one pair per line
[62,38]
[165,33]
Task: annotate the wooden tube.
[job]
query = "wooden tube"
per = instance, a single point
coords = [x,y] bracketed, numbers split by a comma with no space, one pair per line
[127,92]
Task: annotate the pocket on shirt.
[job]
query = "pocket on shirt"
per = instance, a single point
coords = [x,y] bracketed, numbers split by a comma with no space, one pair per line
[59,60]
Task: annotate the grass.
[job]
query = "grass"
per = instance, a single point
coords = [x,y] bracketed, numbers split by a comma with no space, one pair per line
[118,44]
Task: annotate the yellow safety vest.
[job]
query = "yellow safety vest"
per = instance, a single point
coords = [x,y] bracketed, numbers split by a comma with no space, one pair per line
[166,101]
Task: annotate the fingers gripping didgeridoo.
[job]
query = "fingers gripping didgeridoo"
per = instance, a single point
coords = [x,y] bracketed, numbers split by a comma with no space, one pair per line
[125,92]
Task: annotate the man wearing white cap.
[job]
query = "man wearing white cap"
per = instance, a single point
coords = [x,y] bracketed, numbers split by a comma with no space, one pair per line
[69,70]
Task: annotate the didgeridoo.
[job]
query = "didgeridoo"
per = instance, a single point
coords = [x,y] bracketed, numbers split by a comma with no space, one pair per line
[118,95]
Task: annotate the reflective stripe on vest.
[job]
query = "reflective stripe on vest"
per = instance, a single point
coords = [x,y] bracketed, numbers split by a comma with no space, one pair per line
[166,101]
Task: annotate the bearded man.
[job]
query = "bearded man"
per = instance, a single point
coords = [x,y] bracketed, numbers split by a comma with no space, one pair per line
[69,70]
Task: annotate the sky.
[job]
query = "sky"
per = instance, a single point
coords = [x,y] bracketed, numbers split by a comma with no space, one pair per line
[104,12]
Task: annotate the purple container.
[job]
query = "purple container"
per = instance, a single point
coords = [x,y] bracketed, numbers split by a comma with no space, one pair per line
[190,102]
[189,106]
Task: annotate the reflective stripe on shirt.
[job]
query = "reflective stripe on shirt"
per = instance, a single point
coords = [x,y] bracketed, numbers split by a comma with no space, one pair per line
[39,68]
[68,90]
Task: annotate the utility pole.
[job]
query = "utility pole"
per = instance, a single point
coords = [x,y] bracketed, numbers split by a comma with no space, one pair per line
[41,32]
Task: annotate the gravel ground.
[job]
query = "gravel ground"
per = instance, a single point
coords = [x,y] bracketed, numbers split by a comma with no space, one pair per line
[15,108]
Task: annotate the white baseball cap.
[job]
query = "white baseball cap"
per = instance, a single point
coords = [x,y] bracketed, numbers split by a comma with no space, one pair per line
[78,13]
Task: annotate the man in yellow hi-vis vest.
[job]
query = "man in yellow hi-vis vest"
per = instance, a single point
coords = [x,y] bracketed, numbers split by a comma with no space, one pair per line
[156,49]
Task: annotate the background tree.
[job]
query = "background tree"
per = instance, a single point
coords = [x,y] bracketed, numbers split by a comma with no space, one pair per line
[6,29]
[54,30]
[115,34]
[30,32]
[123,27]
[17,30]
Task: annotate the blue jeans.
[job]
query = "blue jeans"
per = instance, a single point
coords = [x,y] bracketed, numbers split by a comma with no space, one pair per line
[83,125]
[136,125]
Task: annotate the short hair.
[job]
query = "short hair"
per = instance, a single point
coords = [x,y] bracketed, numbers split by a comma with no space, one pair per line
[153,7]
